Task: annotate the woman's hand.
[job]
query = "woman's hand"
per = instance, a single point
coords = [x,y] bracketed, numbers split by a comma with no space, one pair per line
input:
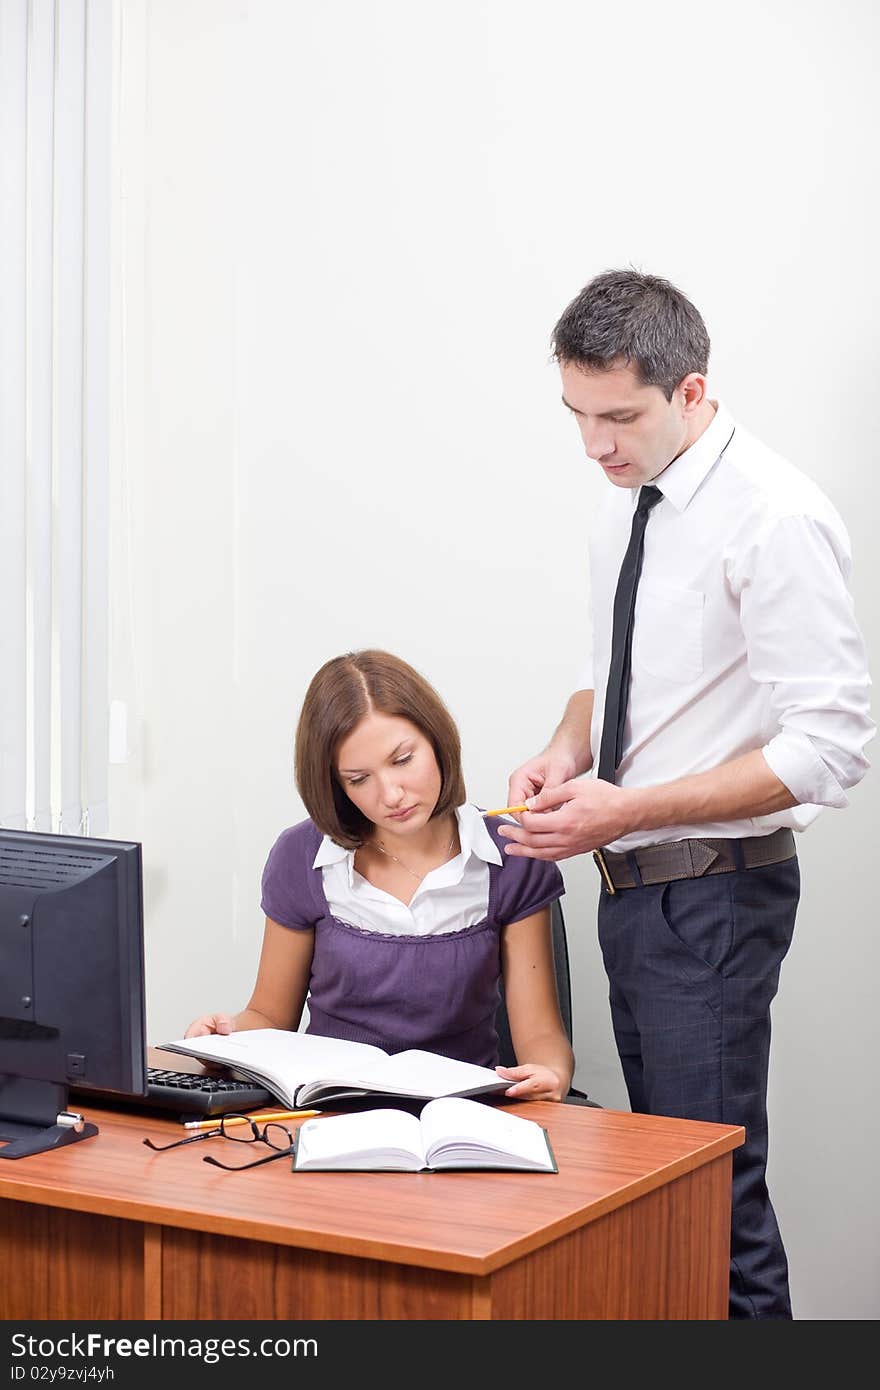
[210,1023]
[531,1082]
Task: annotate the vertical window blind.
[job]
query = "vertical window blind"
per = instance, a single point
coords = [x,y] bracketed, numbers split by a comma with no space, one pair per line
[55,168]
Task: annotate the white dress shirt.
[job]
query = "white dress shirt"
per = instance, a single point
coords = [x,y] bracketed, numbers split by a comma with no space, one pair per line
[448,899]
[744,634]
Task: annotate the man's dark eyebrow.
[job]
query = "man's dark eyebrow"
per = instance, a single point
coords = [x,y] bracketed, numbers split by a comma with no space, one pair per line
[348,770]
[606,414]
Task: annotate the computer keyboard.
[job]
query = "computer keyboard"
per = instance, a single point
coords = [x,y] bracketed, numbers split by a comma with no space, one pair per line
[204,1095]
[186,1094]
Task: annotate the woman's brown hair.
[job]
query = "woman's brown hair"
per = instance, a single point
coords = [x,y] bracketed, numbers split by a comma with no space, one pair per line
[339,696]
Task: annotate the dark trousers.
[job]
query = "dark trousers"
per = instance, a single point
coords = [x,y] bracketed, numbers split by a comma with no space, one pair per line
[693,967]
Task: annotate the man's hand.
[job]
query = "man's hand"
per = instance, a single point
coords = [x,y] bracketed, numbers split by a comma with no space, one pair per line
[567,754]
[568,819]
[548,769]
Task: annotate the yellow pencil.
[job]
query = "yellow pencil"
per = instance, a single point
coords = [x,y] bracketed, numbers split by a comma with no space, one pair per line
[243,1119]
[507,811]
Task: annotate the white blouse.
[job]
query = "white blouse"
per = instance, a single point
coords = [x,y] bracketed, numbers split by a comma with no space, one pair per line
[448,899]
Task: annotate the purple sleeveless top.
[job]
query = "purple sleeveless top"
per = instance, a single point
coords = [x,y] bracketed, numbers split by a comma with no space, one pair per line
[439,993]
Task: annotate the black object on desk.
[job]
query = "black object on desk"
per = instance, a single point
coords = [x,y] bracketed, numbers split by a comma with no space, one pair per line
[188,1095]
[71,982]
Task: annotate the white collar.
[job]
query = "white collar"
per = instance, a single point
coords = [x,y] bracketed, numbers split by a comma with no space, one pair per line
[680,480]
[472,832]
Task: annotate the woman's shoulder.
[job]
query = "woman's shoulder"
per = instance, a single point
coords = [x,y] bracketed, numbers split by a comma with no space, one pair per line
[492,824]
[524,884]
[299,838]
[287,894]
[295,848]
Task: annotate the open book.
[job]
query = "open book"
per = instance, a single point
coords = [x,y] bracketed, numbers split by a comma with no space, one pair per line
[449,1133]
[302,1068]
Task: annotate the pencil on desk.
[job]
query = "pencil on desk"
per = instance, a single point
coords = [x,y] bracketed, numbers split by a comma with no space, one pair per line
[507,811]
[243,1119]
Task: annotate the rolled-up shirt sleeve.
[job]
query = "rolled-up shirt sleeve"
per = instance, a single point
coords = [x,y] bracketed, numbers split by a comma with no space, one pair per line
[585,679]
[803,642]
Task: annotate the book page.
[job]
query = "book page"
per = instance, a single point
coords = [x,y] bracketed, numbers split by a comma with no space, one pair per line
[420,1073]
[286,1060]
[369,1139]
[465,1133]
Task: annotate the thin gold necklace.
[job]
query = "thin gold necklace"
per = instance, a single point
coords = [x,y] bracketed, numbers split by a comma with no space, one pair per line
[417,877]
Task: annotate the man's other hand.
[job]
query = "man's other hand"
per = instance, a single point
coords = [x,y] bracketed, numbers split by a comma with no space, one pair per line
[570,818]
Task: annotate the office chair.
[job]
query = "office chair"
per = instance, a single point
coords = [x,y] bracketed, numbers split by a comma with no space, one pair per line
[506,1055]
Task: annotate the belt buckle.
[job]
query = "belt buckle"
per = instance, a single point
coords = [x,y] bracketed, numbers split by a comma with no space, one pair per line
[599,857]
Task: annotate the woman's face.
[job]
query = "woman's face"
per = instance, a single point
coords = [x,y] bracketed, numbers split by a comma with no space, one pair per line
[387,768]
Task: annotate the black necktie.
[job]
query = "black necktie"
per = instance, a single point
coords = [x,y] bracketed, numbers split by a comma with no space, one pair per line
[617,689]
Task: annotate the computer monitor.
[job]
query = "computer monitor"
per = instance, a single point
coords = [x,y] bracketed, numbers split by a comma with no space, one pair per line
[71,982]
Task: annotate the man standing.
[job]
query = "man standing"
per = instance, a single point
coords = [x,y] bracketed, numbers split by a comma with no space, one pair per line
[731,704]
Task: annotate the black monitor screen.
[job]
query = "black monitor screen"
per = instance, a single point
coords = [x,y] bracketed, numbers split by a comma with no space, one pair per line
[71,970]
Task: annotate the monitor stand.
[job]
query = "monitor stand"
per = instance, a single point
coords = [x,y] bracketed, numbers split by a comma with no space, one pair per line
[34,1118]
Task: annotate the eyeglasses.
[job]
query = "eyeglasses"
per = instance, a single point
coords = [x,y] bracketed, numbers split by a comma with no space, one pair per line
[242,1130]
[278,1137]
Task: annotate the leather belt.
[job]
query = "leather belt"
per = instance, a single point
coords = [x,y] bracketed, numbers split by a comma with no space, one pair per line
[678,859]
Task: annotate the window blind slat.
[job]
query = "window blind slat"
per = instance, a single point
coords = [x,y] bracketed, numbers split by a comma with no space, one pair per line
[41,102]
[96,415]
[69,170]
[55,253]
[13,411]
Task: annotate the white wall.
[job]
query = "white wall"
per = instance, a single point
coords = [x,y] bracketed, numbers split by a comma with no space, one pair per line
[344,233]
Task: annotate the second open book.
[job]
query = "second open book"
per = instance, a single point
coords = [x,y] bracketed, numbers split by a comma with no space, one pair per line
[303,1069]
[449,1133]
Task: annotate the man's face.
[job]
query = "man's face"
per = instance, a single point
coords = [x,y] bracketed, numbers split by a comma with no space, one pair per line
[629,429]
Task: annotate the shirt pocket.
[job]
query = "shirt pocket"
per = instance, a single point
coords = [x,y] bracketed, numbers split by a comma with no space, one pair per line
[668,633]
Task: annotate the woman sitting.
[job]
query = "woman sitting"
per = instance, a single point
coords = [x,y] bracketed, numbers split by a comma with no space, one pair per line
[393,907]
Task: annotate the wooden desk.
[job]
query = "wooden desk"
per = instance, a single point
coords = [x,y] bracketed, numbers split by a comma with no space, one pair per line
[634,1225]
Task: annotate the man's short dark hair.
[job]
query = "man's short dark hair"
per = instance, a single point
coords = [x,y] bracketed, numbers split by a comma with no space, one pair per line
[625,316]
